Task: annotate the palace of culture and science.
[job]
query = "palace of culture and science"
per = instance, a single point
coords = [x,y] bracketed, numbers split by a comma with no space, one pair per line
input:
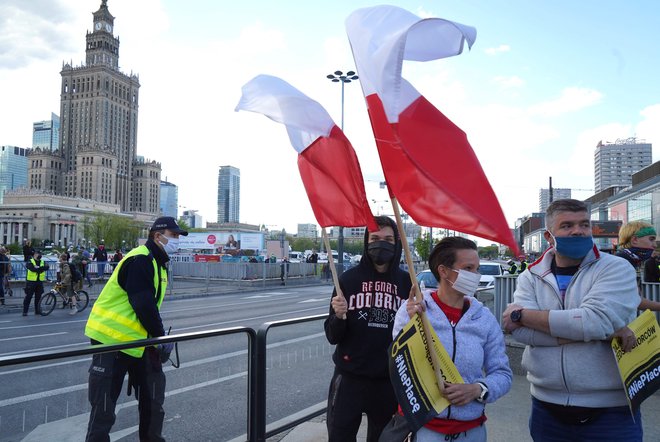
[95,167]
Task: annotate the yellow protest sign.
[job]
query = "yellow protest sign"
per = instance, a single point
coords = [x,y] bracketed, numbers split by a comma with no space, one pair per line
[640,367]
[412,375]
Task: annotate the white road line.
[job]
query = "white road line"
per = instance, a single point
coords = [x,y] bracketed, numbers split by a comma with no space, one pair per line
[313,300]
[33,336]
[269,316]
[54,364]
[72,388]
[42,348]
[43,325]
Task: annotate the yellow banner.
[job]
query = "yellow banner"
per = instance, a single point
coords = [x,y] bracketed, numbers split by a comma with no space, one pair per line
[640,367]
[412,375]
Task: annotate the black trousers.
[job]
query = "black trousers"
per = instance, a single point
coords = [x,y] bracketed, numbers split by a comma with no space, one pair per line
[35,288]
[349,397]
[106,379]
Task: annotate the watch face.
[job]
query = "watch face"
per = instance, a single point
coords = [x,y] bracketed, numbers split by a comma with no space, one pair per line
[516,315]
[98,25]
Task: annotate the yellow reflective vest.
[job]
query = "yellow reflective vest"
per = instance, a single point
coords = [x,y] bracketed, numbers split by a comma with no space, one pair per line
[112,319]
[34,276]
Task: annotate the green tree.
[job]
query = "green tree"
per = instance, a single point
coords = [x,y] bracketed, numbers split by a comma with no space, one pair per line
[114,231]
[423,246]
[183,224]
[488,252]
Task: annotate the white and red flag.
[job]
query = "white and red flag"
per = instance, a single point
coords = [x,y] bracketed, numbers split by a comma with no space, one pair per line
[428,163]
[328,166]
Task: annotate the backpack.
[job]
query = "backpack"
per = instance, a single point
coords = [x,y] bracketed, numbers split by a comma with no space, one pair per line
[75,273]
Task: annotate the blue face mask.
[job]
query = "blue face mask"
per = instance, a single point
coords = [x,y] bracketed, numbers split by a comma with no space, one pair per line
[575,247]
[643,254]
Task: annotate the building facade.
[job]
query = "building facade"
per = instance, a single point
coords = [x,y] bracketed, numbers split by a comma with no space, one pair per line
[96,155]
[13,168]
[557,194]
[46,134]
[193,219]
[615,163]
[229,194]
[308,230]
[169,199]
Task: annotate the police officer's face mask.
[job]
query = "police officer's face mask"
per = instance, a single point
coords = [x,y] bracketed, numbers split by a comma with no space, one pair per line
[171,246]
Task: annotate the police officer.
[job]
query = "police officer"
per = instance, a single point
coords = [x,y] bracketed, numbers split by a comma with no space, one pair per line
[513,268]
[34,285]
[128,309]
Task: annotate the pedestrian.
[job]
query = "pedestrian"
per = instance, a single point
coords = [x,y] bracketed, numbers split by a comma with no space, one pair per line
[128,309]
[360,325]
[28,250]
[284,270]
[81,261]
[470,334]
[652,268]
[513,268]
[116,258]
[66,281]
[637,241]
[567,307]
[5,269]
[101,258]
[34,282]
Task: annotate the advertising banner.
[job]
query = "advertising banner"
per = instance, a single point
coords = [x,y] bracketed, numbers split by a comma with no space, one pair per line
[412,375]
[640,367]
[221,242]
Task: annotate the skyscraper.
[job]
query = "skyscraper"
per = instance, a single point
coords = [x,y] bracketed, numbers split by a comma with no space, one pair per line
[46,134]
[229,194]
[13,168]
[97,156]
[557,194]
[169,199]
[615,163]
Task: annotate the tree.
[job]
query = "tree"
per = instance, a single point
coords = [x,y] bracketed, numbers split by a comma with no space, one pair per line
[114,231]
[183,224]
[423,246]
[488,252]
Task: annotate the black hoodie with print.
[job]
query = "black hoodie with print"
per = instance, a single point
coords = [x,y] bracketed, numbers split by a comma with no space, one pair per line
[373,299]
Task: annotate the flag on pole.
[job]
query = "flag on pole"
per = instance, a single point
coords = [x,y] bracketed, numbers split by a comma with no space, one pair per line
[428,163]
[328,165]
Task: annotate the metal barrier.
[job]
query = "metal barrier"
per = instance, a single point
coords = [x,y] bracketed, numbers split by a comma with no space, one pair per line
[256,370]
[505,285]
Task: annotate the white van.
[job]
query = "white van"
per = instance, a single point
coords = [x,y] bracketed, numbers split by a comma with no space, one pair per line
[296,257]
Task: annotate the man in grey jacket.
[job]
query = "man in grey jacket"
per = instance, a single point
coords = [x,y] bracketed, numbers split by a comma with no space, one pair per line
[566,309]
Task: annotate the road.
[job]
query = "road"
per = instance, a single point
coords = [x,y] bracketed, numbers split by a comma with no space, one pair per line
[206,396]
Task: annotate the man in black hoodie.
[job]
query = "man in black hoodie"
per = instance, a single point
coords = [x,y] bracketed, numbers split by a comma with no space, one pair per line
[360,325]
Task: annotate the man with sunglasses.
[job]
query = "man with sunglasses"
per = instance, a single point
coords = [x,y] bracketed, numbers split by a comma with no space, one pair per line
[127,310]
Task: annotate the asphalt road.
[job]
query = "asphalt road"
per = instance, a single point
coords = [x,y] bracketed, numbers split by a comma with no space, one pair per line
[206,396]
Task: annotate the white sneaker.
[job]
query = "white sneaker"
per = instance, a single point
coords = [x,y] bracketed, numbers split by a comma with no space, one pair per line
[74,310]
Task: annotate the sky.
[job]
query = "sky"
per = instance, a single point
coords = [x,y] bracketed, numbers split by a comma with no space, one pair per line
[542,85]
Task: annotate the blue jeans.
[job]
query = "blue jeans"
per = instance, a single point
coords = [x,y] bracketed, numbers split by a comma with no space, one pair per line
[614,424]
[100,268]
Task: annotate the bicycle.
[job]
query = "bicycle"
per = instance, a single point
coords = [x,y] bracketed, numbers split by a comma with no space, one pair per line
[49,300]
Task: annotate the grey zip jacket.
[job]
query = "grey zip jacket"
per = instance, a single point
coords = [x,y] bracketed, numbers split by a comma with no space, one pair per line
[601,298]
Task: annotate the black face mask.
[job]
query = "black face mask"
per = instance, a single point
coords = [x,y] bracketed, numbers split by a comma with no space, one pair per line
[380,252]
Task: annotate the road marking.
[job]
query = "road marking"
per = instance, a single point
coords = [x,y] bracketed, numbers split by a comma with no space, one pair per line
[73,388]
[55,364]
[269,316]
[43,325]
[33,336]
[313,300]
[42,348]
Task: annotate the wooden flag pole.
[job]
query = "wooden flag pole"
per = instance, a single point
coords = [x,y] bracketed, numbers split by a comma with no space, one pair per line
[418,293]
[331,263]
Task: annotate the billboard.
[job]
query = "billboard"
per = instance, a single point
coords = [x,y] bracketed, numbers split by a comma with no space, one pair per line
[605,229]
[222,242]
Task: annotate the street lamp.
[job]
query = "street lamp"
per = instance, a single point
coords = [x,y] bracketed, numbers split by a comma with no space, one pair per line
[340,77]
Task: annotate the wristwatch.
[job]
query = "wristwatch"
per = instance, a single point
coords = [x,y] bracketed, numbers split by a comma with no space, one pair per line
[516,315]
[484,392]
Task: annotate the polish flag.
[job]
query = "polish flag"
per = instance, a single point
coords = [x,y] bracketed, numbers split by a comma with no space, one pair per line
[328,166]
[428,163]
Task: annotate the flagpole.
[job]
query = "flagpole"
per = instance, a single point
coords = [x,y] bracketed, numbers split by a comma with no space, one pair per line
[331,263]
[418,294]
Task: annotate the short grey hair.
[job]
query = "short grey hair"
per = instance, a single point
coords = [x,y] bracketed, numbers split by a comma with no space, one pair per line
[563,205]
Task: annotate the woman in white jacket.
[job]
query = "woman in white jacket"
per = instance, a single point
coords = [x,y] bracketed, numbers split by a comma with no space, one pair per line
[472,337]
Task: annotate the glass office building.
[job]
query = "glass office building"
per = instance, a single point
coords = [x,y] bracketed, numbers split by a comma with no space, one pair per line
[46,134]
[169,199]
[13,168]
[229,194]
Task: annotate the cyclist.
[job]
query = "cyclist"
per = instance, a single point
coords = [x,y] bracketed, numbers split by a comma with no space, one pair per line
[66,282]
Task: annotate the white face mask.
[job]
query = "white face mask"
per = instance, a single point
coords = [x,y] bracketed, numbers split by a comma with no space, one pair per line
[466,282]
[172,245]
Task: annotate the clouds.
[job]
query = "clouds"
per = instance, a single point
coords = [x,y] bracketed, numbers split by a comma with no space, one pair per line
[572,99]
[497,50]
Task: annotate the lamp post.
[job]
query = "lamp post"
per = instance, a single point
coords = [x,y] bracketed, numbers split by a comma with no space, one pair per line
[340,77]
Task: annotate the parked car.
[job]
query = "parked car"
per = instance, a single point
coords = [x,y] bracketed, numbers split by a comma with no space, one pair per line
[488,270]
